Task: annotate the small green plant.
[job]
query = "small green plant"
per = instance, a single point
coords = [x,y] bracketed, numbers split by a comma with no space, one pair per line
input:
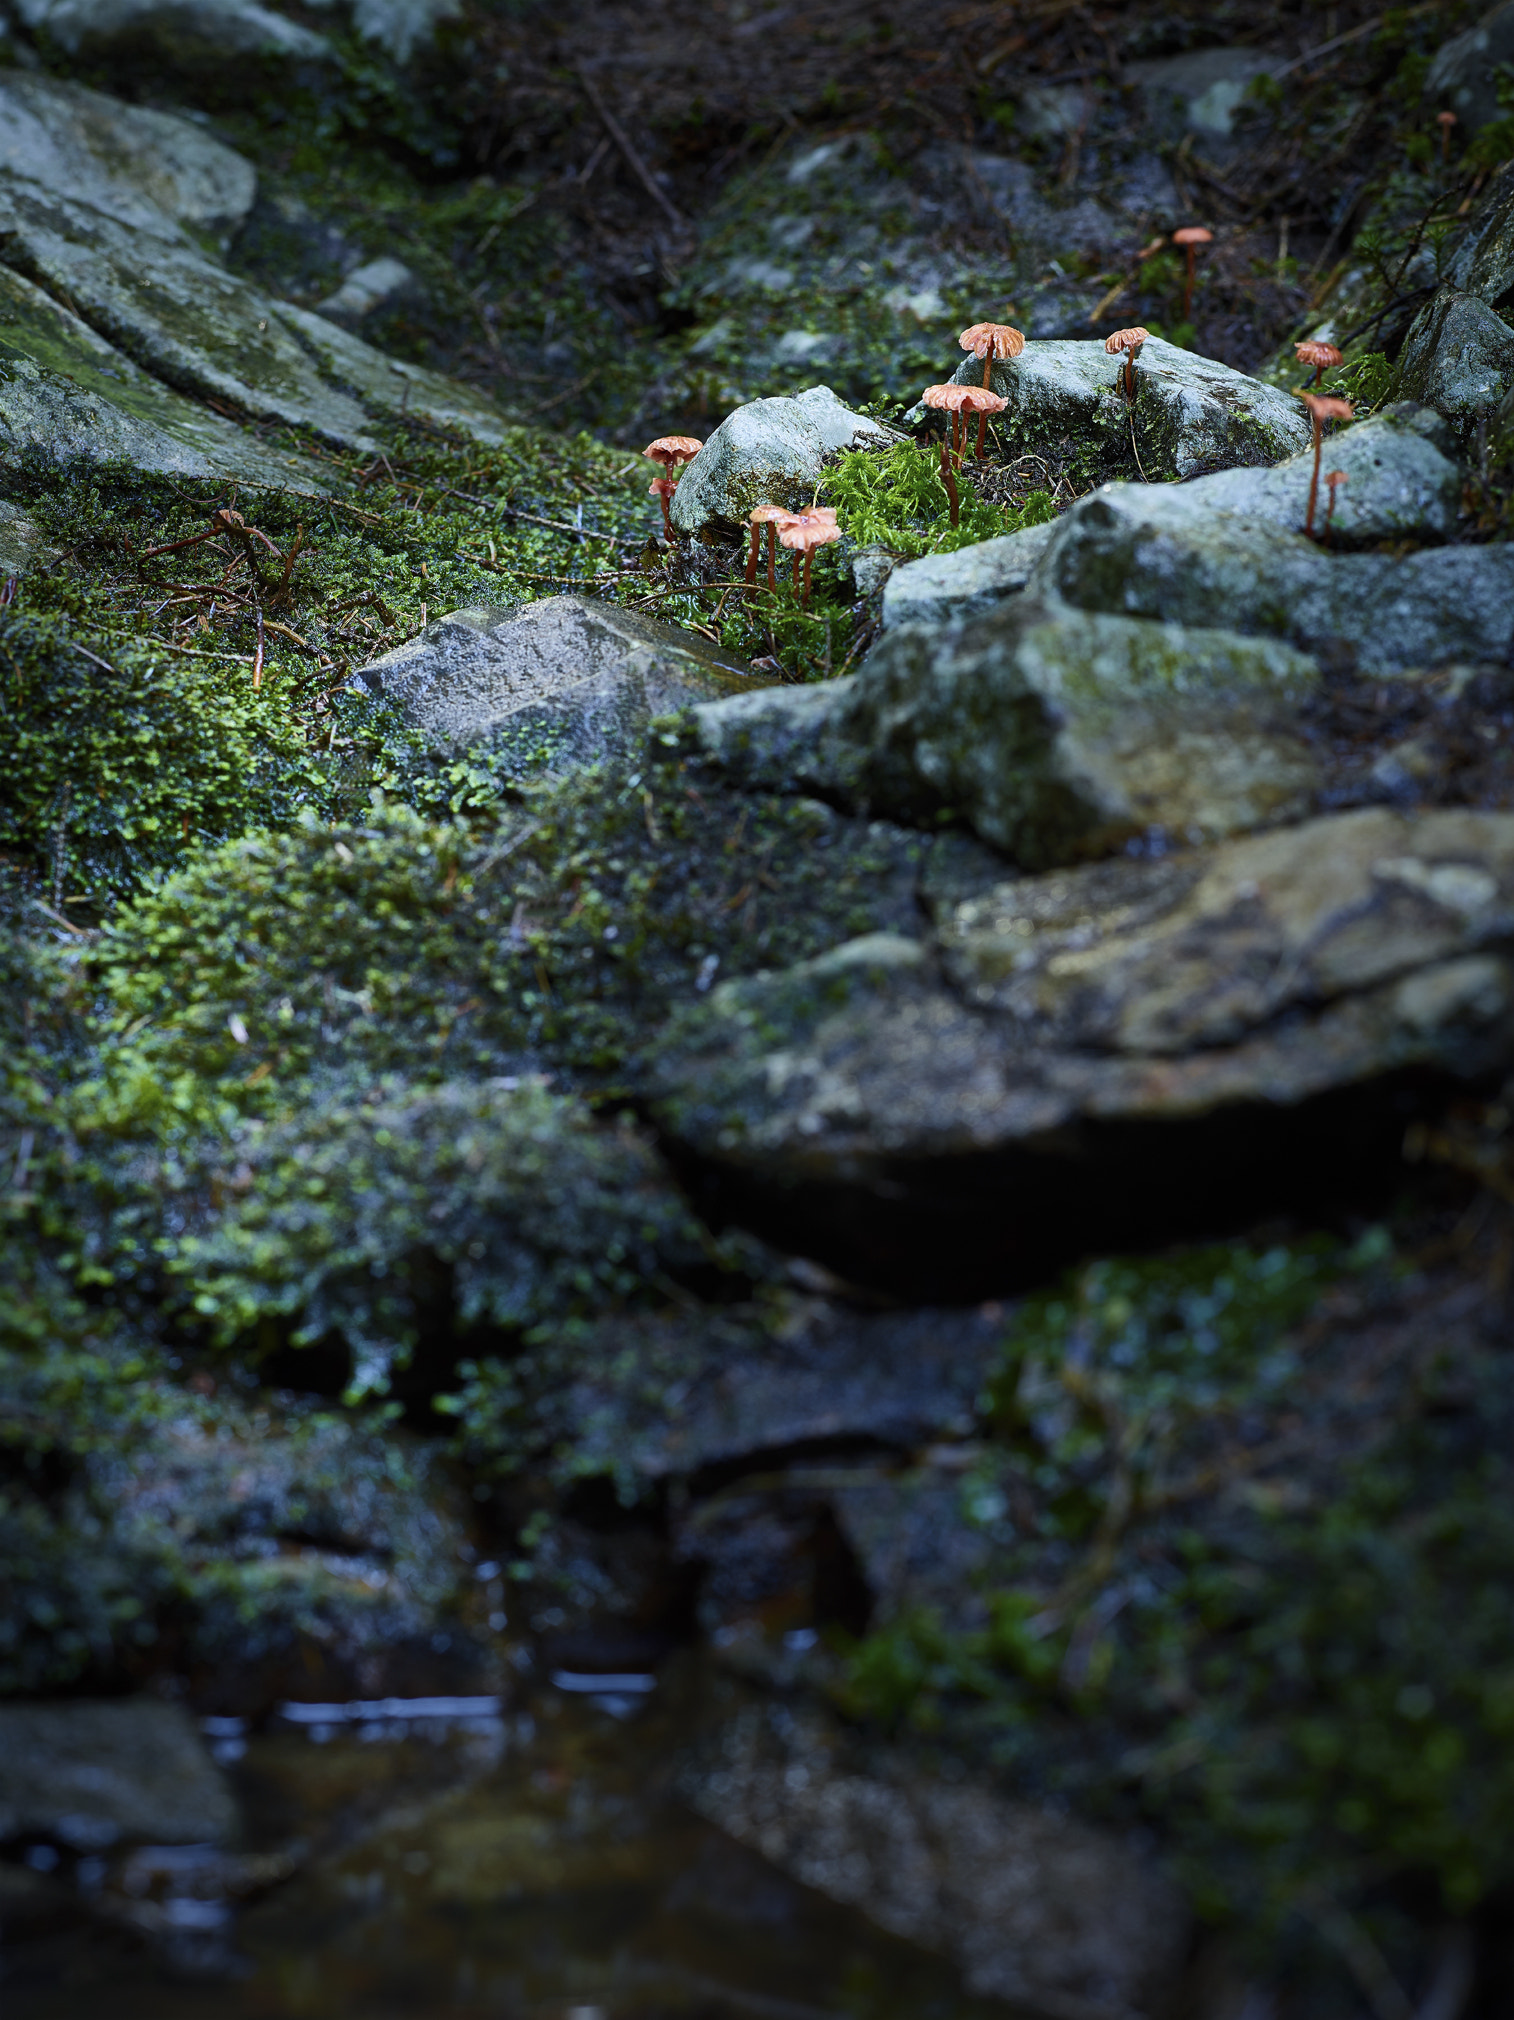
[898,501]
[1365,381]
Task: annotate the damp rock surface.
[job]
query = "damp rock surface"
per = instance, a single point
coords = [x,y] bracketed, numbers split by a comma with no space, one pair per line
[575,677]
[1458,358]
[946,588]
[88,1773]
[768,452]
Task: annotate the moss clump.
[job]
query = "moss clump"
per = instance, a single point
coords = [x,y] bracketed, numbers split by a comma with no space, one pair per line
[897,500]
[1253,1579]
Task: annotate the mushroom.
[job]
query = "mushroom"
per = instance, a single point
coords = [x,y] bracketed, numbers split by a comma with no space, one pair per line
[1322,408]
[1333,482]
[951,399]
[989,341]
[804,532]
[1445,121]
[1323,357]
[1127,343]
[1190,238]
[949,481]
[771,516]
[982,403]
[670,451]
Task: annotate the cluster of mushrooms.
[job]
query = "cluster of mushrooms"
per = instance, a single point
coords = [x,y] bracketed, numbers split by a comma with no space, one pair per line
[816,526]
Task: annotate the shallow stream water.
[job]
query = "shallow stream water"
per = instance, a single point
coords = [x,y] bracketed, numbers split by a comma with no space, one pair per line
[531,1861]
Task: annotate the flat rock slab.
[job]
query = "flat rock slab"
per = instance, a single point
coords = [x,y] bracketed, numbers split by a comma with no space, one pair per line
[566,680]
[232,45]
[89,1774]
[1034,1908]
[392,387]
[769,452]
[1049,1014]
[68,396]
[1143,550]
[1190,414]
[945,588]
[1054,736]
[148,170]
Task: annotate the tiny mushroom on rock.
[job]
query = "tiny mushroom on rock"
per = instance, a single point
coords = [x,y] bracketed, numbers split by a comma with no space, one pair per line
[771,516]
[804,532]
[990,341]
[1333,482]
[670,451]
[1445,121]
[1322,408]
[1190,238]
[1323,357]
[1127,344]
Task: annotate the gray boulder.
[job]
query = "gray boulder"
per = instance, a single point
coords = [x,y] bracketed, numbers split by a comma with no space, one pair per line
[945,588]
[1054,735]
[148,170]
[377,284]
[1053,1015]
[1190,415]
[68,396]
[88,1775]
[1458,358]
[769,452]
[1484,262]
[22,546]
[1464,76]
[392,387]
[400,27]
[228,45]
[1035,1908]
[566,680]
[1143,551]
[1202,89]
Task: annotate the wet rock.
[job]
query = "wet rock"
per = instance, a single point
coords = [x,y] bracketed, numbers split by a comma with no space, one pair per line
[945,588]
[69,396]
[1034,1908]
[1459,359]
[1484,262]
[1190,415]
[769,451]
[229,46]
[1093,1017]
[176,313]
[1402,482]
[565,680]
[1144,551]
[1052,736]
[400,27]
[147,170]
[1203,89]
[22,545]
[377,284]
[88,1774]
[1464,76]
[392,387]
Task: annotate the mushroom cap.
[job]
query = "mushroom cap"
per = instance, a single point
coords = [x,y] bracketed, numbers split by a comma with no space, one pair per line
[1126,340]
[1335,478]
[993,340]
[804,530]
[760,515]
[1312,353]
[671,449]
[951,398]
[662,487]
[981,401]
[1445,119]
[1325,408]
[1192,234]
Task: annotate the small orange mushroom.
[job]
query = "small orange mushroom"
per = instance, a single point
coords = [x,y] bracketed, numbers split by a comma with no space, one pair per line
[989,341]
[1127,344]
[1445,121]
[951,400]
[671,451]
[1190,238]
[1333,482]
[771,516]
[1322,408]
[1323,357]
[982,403]
[804,532]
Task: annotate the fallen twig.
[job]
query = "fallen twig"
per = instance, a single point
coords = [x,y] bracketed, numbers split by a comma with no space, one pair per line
[638,167]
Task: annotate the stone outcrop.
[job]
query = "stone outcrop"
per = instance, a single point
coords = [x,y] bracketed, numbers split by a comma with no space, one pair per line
[768,452]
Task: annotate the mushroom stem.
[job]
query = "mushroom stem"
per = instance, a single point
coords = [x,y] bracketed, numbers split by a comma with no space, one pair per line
[988,365]
[772,556]
[804,601]
[1319,437]
[751,562]
[948,478]
[796,567]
